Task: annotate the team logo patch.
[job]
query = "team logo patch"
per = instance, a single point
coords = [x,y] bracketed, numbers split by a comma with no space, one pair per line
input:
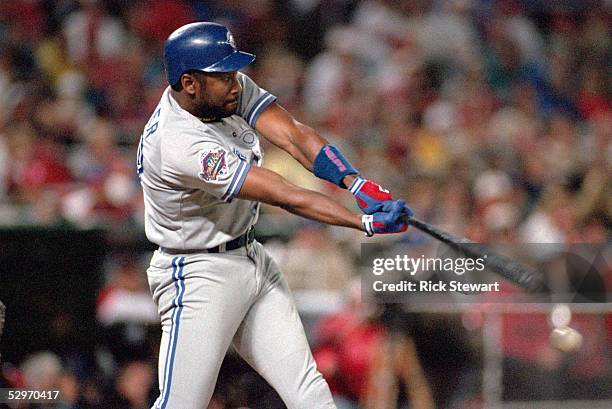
[212,164]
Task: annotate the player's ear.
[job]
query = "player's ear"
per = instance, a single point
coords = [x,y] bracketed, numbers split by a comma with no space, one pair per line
[188,82]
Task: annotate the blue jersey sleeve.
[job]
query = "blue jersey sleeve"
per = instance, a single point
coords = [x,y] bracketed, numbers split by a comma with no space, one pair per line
[253,100]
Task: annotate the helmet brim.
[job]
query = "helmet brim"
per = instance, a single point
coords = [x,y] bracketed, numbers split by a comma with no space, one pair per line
[232,62]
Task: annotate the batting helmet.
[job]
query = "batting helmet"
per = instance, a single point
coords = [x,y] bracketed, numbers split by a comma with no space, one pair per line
[206,47]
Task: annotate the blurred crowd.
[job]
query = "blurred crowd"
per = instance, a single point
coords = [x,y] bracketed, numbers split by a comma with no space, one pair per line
[487,116]
[492,118]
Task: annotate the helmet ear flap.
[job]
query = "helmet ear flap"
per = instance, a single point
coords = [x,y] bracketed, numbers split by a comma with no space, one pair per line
[178,85]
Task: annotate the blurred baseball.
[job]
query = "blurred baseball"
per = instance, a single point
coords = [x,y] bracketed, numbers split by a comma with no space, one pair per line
[565,339]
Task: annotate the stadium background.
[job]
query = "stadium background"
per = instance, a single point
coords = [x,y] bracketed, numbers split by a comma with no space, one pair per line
[492,118]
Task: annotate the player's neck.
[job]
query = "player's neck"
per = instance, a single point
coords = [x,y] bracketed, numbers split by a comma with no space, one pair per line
[183,101]
[186,103]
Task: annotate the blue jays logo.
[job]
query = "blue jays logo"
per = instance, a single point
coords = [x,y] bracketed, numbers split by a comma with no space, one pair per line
[230,40]
[212,164]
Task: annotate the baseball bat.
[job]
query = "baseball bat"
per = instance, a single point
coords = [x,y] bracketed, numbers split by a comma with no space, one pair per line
[509,269]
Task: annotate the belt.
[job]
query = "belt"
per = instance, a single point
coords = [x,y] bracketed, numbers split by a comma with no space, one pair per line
[241,241]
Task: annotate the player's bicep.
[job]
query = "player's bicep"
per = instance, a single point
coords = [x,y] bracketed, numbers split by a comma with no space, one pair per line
[208,167]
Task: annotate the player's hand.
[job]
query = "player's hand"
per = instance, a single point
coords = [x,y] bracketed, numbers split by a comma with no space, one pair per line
[391,219]
[370,196]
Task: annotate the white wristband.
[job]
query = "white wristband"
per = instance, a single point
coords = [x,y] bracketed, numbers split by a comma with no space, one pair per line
[367,220]
[357,185]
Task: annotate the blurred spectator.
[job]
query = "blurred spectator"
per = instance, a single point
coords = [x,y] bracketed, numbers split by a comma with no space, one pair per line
[133,387]
[365,365]
[41,371]
[333,72]
[527,351]
[312,241]
[126,297]
[128,314]
[155,20]
[92,34]
[281,72]
[35,164]
[109,187]
[346,345]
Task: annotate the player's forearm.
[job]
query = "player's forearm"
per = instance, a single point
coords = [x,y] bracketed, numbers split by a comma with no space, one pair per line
[316,206]
[308,142]
[299,140]
[269,187]
[298,155]
[303,143]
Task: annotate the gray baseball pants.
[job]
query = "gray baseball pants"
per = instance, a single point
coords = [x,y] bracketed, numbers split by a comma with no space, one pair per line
[207,301]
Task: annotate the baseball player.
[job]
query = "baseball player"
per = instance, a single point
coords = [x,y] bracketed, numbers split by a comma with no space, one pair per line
[199,163]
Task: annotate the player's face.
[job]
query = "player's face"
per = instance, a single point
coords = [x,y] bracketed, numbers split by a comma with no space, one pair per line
[217,97]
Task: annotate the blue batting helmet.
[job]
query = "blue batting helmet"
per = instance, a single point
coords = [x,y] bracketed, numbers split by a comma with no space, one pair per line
[207,47]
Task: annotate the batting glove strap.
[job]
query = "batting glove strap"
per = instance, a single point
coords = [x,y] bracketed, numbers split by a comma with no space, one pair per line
[357,185]
[370,196]
[367,220]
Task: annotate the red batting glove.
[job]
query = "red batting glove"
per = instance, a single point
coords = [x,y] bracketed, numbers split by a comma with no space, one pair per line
[370,196]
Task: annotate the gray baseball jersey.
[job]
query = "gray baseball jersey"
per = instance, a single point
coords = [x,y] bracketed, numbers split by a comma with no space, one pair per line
[190,172]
